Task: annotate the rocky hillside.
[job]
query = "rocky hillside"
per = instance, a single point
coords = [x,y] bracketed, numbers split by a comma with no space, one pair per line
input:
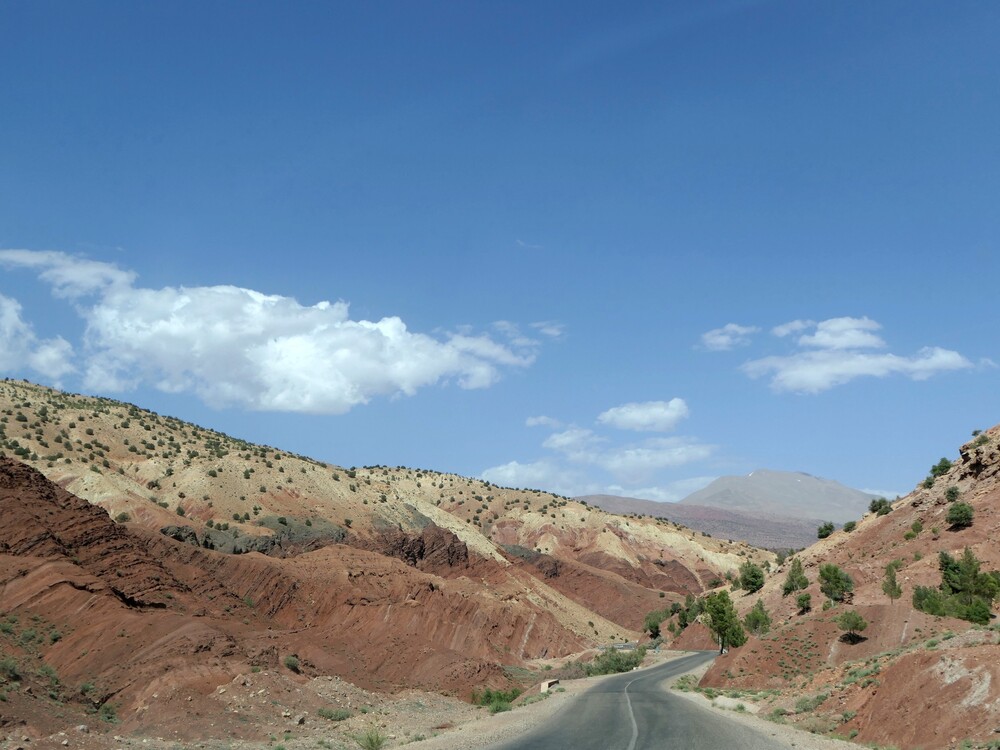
[910,678]
[171,559]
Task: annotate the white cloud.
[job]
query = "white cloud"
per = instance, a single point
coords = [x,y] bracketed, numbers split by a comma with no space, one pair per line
[70,277]
[631,463]
[728,337]
[549,328]
[667,493]
[813,372]
[792,327]
[648,416]
[544,475]
[543,421]
[637,462]
[836,351]
[20,347]
[844,333]
[235,346]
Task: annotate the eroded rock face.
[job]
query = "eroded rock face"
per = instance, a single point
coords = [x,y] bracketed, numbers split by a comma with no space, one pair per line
[434,549]
[41,519]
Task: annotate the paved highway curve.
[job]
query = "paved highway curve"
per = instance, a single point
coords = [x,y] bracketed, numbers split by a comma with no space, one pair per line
[634,711]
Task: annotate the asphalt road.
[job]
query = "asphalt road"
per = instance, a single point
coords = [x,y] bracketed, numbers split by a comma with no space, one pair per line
[634,711]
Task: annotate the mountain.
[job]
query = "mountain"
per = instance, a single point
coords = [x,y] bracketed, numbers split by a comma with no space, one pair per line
[760,530]
[783,494]
[911,678]
[146,561]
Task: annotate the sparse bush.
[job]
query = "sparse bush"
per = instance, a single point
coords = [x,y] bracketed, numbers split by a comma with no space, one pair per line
[852,623]
[960,515]
[834,582]
[796,579]
[879,506]
[757,621]
[941,468]
[751,577]
[334,714]
[613,661]
[951,494]
[372,739]
[292,663]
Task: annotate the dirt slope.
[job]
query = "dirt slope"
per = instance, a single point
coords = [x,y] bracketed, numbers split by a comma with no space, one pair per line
[908,665]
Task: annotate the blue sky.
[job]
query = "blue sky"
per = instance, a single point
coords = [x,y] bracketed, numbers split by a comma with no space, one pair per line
[579,246]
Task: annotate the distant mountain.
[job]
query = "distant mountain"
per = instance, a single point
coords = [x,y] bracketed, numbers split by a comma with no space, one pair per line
[760,530]
[783,494]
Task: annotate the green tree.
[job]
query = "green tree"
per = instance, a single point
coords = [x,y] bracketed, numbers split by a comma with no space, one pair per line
[834,582]
[757,621]
[804,602]
[824,530]
[853,623]
[965,591]
[723,620]
[796,579]
[890,587]
[960,515]
[751,577]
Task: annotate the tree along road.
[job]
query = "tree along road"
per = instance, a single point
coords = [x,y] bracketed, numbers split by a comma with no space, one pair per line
[635,711]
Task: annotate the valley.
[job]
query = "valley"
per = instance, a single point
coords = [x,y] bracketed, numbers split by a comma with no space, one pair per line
[161,580]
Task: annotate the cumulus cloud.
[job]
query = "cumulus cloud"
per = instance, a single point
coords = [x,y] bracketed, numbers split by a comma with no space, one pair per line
[549,328]
[844,333]
[632,462]
[20,347]
[669,492]
[542,474]
[70,277]
[813,372]
[648,416]
[582,461]
[236,346]
[836,351]
[728,337]
[543,421]
[791,327]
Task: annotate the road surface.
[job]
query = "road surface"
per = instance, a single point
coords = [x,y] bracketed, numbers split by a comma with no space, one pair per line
[634,711]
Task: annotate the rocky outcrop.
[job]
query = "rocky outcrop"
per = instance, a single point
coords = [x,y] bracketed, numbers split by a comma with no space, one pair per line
[434,549]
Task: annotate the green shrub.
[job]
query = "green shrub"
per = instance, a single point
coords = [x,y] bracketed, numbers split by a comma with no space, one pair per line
[824,530]
[292,663]
[796,580]
[804,602]
[613,661]
[335,714]
[852,623]
[9,670]
[834,582]
[941,468]
[850,526]
[751,577]
[951,494]
[879,506]
[372,739]
[757,621]
[960,515]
